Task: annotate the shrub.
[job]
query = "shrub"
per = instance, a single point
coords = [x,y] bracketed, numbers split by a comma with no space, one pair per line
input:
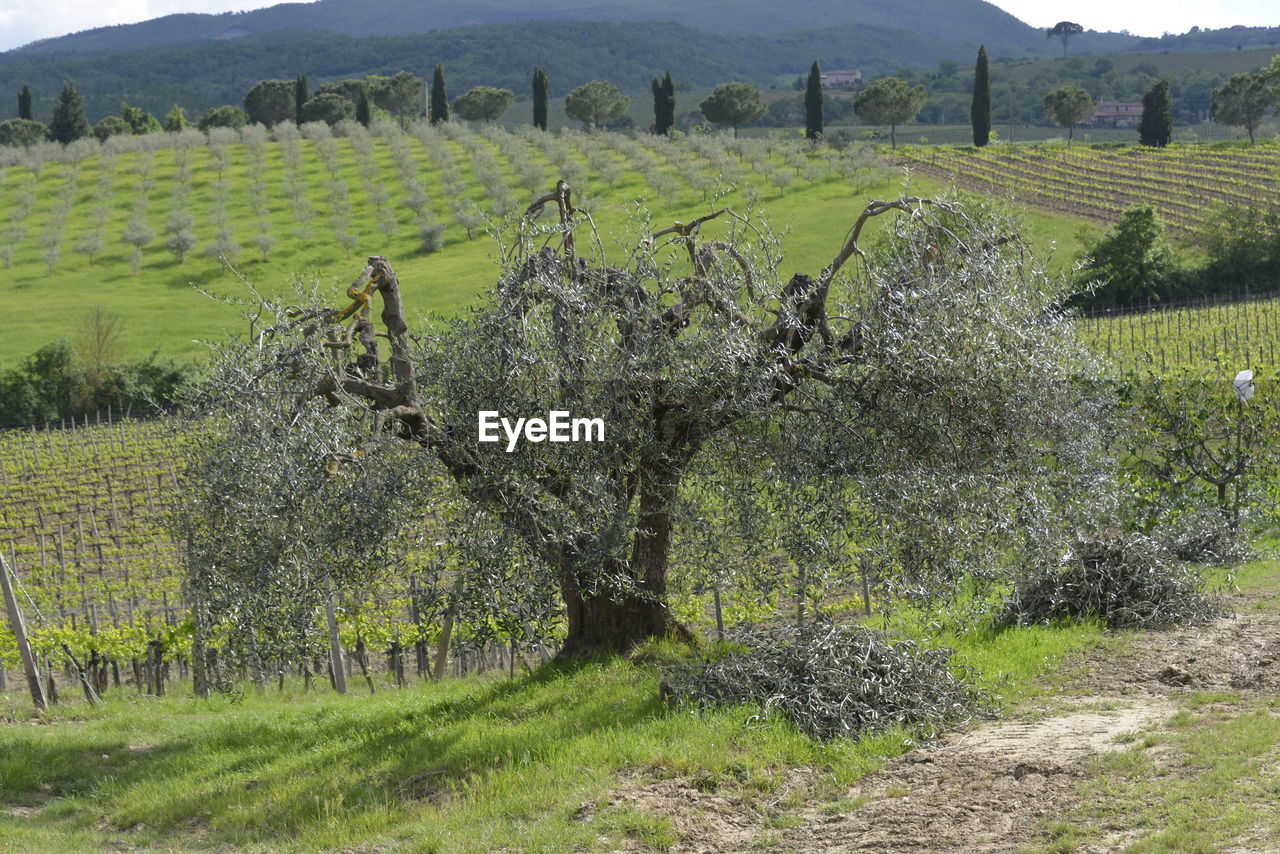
[224,117]
[111,126]
[1242,246]
[1124,580]
[49,385]
[833,680]
[21,132]
[328,108]
[1133,261]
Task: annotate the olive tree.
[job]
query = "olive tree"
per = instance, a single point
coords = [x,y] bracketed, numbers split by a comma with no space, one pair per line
[933,380]
[287,502]
[1193,431]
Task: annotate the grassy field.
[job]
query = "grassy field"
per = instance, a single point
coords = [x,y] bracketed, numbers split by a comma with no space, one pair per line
[367,199]
[529,763]
[464,765]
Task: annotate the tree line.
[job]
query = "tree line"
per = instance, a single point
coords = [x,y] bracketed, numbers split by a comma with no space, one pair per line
[889,101]
[403,96]
[1241,102]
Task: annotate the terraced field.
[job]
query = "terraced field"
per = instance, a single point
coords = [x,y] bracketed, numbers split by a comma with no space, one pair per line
[1184,182]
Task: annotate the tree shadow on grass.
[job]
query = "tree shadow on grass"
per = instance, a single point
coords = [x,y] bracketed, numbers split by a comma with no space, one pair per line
[278,771]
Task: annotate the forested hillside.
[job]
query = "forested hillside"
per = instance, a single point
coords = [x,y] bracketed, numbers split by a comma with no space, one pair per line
[200,75]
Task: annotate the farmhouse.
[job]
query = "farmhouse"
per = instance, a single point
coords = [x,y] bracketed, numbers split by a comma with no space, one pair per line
[1116,114]
[847,77]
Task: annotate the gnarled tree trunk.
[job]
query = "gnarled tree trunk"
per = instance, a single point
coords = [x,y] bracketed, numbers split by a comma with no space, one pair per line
[615,622]
[620,620]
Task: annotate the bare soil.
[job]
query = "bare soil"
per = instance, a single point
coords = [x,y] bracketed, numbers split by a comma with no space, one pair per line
[994,787]
[1240,655]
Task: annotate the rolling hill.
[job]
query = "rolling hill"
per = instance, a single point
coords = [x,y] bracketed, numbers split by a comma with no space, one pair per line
[970,21]
[204,74]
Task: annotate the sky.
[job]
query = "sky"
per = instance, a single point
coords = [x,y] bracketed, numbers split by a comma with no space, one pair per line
[22,21]
[1146,17]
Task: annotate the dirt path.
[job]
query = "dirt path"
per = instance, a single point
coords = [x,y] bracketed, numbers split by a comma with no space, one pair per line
[994,787]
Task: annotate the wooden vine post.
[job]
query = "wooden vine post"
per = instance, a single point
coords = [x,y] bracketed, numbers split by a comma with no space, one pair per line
[20,632]
[335,646]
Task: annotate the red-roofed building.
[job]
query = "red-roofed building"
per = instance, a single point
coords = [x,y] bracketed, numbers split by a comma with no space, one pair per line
[1116,114]
[844,77]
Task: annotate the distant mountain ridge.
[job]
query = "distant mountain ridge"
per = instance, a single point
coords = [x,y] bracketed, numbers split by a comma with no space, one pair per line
[964,21]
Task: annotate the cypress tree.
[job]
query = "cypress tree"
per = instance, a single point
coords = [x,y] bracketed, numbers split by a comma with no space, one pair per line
[658,113]
[813,104]
[669,104]
[24,103]
[69,123]
[540,86]
[664,105]
[439,99]
[1156,128]
[362,107]
[301,94]
[980,112]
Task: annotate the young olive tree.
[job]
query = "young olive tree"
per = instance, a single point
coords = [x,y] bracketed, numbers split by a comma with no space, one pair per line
[1200,439]
[936,381]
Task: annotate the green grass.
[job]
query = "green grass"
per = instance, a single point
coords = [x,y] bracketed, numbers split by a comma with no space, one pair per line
[1215,787]
[466,765]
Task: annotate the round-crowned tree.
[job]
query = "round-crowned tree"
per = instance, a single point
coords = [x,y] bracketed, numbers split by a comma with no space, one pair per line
[890,101]
[21,132]
[889,379]
[110,126]
[596,103]
[271,102]
[733,104]
[1068,107]
[484,103]
[225,116]
[327,107]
